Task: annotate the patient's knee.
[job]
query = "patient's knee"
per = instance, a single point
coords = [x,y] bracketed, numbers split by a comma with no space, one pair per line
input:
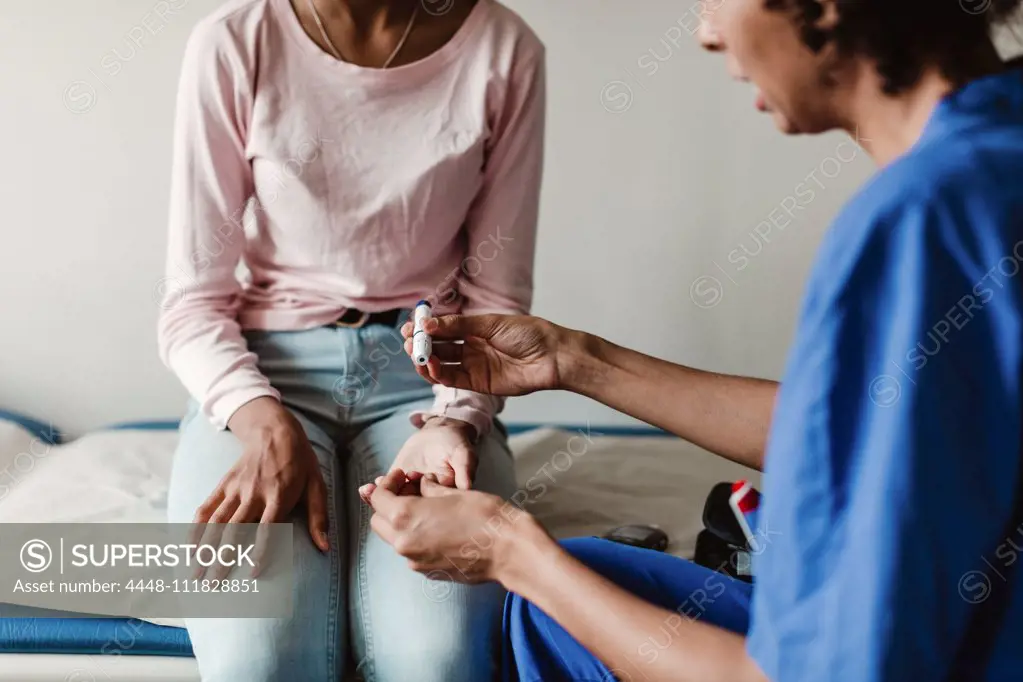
[253,665]
[262,650]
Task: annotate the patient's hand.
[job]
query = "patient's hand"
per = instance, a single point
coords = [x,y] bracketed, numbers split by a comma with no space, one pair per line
[443,448]
[501,354]
[277,470]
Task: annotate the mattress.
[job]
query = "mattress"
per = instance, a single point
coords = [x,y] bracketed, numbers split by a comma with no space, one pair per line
[578,480]
[88,668]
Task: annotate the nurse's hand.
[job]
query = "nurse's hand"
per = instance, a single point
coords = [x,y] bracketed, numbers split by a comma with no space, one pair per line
[496,354]
[442,447]
[464,536]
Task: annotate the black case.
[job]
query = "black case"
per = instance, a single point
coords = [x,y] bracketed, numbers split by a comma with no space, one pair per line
[722,546]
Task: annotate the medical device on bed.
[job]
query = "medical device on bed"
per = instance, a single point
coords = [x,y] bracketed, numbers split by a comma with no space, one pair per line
[728,540]
[745,504]
[647,537]
[422,344]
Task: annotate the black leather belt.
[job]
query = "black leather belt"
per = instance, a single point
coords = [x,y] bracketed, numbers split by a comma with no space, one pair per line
[355,318]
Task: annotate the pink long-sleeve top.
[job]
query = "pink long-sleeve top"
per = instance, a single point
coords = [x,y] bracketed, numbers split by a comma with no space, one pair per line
[303,186]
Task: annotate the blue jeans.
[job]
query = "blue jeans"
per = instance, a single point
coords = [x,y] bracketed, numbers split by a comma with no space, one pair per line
[360,605]
[537,649]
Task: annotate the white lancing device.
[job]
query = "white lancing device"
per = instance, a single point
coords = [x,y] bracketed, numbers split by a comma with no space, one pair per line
[422,344]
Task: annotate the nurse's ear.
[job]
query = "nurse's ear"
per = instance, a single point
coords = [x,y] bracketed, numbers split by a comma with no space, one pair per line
[818,20]
[821,18]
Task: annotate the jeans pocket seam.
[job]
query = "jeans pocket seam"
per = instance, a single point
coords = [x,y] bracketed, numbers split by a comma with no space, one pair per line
[367,629]
[333,598]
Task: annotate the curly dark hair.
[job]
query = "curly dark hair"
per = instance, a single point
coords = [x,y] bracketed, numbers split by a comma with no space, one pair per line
[905,36]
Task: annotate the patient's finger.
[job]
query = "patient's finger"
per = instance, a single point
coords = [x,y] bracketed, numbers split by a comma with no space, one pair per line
[446,475]
[410,487]
[214,532]
[406,329]
[203,514]
[463,466]
[316,511]
[393,481]
[232,532]
[270,516]
[411,484]
[431,487]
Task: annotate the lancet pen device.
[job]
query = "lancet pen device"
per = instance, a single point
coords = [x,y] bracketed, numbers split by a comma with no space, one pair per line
[422,344]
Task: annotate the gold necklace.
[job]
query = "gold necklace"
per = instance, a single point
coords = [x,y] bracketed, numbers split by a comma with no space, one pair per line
[337,54]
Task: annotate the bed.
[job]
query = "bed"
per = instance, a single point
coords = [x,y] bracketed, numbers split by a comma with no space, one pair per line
[578,479]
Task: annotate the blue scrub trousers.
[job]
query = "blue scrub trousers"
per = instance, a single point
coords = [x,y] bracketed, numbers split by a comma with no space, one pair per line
[536,649]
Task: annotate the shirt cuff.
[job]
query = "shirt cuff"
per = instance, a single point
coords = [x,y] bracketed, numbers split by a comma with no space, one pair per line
[476,409]
[221,409]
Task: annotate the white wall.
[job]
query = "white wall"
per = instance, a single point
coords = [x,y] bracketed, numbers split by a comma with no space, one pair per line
[653,180]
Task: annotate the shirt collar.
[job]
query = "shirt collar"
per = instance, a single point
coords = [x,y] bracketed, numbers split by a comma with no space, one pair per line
[995,97]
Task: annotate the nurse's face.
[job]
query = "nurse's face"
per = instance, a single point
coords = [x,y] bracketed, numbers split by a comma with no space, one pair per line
[764,47]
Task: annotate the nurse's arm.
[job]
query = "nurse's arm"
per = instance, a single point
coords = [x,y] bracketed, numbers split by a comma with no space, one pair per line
[518,354]
[625,632]
[727,415]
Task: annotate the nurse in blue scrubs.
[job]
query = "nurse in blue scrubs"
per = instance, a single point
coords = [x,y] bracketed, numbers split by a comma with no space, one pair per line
[892,521]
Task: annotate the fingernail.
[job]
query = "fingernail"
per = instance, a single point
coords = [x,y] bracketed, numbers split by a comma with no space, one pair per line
[323,541]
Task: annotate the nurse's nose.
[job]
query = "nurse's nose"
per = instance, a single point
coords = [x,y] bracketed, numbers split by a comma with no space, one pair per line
[708,36]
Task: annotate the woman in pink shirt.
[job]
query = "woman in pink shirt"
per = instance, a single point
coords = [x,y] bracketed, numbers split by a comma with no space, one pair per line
[335,161]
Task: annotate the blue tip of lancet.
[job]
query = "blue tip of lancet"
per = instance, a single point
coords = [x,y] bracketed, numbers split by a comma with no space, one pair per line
[423,302]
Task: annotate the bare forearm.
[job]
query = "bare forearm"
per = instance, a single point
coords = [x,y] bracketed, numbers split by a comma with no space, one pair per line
[727,415]
[625,632]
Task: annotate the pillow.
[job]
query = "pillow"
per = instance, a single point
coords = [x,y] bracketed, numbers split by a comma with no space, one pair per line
[23,442]
[36,429]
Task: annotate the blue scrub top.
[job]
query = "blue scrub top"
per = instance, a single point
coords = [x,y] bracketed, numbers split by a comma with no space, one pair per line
[893,472]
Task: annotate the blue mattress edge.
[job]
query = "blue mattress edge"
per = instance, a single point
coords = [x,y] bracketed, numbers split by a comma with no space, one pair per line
[641,431]
[49,434]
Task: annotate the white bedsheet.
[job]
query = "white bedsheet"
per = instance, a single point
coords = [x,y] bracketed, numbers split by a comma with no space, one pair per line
[594,483]
[576,482]
[106,476]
